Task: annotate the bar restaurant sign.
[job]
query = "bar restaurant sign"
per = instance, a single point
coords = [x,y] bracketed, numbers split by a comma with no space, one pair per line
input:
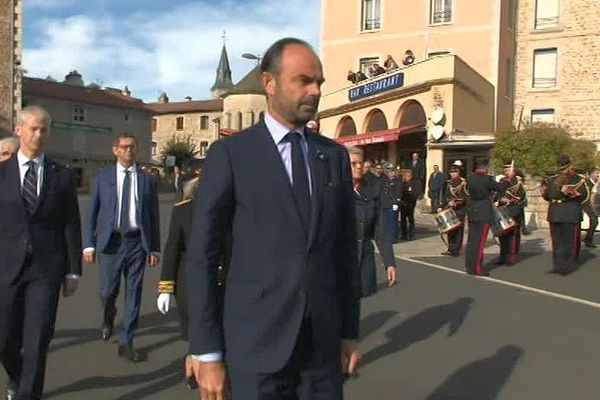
[375,87]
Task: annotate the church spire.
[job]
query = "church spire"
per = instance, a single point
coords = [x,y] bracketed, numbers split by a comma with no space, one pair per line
[223,81]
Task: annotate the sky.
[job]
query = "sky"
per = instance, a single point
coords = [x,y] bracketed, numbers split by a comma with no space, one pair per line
[157,45]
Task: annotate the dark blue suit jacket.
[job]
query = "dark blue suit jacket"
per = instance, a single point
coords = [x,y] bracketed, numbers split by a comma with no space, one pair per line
[102,213]
[279,268]
[53,232]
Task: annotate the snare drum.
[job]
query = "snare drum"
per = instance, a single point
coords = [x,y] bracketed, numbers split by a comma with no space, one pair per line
[502,223]
[447,220]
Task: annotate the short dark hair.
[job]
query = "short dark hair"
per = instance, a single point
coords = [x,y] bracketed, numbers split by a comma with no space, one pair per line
[124,136]
[481,163]
[271,61]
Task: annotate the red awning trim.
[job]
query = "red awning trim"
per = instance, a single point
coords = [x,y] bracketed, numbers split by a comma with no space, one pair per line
[228,132]
[387,135]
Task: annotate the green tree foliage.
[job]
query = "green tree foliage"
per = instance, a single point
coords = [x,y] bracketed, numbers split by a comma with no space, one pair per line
[536,148]
[181,148]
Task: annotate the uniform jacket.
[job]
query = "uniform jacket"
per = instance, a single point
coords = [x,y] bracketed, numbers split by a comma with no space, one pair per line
[391,193]
[456,190]
[562,208]
[482,188]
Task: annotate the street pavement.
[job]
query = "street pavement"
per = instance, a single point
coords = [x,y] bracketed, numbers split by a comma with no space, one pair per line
[438,335]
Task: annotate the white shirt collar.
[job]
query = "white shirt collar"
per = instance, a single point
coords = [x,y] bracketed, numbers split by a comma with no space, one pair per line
[277,130]
[121,168]
[23,159]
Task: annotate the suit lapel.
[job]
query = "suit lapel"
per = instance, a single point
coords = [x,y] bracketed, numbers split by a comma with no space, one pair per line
[141,183]
[269,153]
[318,165]
[112,182]
[13,179]
[47,182]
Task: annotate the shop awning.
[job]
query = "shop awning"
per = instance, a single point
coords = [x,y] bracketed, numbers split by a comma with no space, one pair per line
[387,135]
[228,132]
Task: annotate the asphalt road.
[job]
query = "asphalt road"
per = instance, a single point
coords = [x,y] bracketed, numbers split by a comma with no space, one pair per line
[439,334]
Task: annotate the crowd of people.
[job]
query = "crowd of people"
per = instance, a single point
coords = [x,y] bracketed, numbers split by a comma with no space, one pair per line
[375,69]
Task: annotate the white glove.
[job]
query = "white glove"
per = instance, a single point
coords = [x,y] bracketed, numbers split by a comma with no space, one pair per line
[163,302]
[395,207]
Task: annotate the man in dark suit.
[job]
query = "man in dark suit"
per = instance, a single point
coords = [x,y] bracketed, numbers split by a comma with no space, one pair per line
[123,228]
[481,188]
[417,167]
[41,251]
[293,286]
[436,188]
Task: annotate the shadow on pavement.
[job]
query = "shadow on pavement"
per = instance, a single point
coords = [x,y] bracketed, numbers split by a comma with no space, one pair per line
[168,376]
[374,321]
[482,379]
[421,327]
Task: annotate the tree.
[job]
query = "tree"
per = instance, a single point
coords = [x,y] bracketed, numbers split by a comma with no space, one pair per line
[536,148]
[181,148]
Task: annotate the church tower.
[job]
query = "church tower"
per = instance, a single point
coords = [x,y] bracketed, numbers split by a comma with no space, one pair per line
[223,81]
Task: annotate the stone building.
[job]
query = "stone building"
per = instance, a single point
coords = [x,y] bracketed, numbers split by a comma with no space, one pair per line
[557,74]
[10,62]
[243,104]
[86,120]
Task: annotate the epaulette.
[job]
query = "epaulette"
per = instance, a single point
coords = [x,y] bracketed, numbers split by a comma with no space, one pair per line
[182,202]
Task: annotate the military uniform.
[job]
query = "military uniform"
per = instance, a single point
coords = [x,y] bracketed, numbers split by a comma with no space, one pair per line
[482,188]
[565,215]
[411,191]
[513,200]
[454,196]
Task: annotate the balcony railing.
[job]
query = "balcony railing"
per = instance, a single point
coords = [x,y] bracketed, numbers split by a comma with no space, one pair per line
[440,17]
[546,23]
[371,23]
[544,82]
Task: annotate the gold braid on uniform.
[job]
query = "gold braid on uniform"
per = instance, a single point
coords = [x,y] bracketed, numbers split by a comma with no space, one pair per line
[454,190]
[588,189]
[513,190]
[166,287]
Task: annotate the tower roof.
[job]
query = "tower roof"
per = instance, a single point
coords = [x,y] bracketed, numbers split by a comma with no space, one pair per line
[223,81]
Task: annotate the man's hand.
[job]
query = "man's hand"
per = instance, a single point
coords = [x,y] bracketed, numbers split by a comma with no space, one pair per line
[69,286]
[350,356]
[212,379]
[89,257]
[152,260]
[391,275]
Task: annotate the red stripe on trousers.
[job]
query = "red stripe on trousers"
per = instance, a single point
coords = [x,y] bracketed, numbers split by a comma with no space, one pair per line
[482,240]
[512,252]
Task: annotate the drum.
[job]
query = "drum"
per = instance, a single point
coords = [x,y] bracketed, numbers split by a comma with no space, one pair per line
[502,223]
[447,220]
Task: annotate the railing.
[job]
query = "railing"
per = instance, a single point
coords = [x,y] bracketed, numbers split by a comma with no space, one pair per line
[546,23]
[544,82]
[371,23]
[440,17]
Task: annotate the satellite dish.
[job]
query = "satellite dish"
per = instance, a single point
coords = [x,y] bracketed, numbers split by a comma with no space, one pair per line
[437,116]
[437,132]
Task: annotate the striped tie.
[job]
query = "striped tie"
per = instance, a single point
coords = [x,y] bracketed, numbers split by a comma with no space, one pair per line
[30,184]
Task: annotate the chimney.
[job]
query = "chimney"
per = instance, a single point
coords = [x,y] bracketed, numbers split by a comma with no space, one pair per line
[188,98]
[126,91]
[73,78]
[163,98]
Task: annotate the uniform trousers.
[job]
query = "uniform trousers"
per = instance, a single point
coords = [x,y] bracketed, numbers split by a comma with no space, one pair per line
[476,239]
[407,220]
[510,245]
[304,376]
[27,317]
[566,244]
[455,239]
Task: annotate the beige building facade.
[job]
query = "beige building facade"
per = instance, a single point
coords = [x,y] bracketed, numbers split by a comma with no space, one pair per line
[85,122]
[244,104]
[557,75]
[11,35]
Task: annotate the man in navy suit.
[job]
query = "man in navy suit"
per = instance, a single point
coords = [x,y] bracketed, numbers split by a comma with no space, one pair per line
[40,243]
[289,324]
[123,228]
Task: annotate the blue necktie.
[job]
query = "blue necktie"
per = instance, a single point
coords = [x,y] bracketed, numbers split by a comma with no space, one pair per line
[124,223]
[300,181]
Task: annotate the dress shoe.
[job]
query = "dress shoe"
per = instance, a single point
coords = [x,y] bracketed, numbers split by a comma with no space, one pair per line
[526,232]
[106,330]
[129,353]
[446,253]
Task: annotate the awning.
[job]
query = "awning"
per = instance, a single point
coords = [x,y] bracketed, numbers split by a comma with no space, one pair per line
[228,132]
[387,135]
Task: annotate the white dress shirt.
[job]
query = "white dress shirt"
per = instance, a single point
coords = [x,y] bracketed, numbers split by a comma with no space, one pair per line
[133,201]
[38,165]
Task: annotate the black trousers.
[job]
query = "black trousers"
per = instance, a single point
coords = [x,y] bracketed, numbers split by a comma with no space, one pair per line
[455,240]
[566,243]
[589,236]
[407,220]
[510,245]
[476,238]
[304,377]
[27,318]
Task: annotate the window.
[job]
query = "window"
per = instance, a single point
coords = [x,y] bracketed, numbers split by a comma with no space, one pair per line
[239,121]
[545,116]
[438,53]
[250,116]
[228,121]
[127,117]
[79,114]
[371,15]
[204,122]
[154,124]
[508,78]
[179,123]
[546,14]
[544,68]
[203,148]
[441,11]
[365,63]
[154,147]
